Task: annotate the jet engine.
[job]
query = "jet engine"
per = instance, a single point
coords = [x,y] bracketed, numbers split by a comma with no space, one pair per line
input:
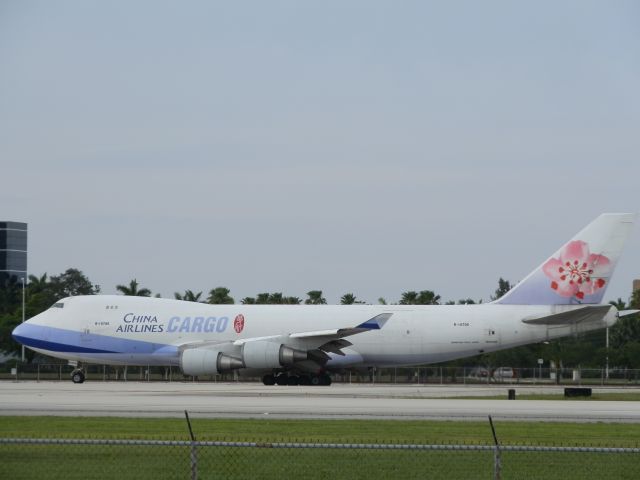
[259,354]
[265,354]
[207,361]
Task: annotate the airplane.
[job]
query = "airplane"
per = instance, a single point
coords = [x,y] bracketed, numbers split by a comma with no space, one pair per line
[304,344]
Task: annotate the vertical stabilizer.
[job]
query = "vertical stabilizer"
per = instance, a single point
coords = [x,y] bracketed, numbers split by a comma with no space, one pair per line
[579,272]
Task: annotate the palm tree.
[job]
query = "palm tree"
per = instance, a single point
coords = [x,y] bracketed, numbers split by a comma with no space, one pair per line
[276,298]
[292,301]
[427,297]
[188,296]
[409,298]
[348,299]
[133,290]
[262,298]
[37,284]
[248,301]
[315,298]
[220,295]
[424,297]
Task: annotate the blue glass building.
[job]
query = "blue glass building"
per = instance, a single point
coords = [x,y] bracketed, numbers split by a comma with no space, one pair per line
[13,252]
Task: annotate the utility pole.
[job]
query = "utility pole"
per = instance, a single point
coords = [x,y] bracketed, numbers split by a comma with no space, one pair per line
[23,302]
[606,368]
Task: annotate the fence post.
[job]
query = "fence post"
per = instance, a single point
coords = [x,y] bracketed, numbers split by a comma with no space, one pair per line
[497,460]
[194,453]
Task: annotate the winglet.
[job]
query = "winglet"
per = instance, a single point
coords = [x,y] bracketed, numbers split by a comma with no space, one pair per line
[376,323]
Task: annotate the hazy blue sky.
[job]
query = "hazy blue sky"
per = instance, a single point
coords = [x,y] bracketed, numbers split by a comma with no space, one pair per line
[348,146]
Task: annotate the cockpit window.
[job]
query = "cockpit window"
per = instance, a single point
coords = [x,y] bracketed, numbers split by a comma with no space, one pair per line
[58,305]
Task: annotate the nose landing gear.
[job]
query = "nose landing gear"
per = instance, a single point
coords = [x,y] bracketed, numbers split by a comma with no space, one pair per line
[77,376]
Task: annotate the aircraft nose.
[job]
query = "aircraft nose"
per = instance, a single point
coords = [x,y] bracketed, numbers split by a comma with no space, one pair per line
[18,333]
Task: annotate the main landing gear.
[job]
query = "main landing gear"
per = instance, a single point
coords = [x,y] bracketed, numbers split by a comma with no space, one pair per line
[286,379]
[77,376]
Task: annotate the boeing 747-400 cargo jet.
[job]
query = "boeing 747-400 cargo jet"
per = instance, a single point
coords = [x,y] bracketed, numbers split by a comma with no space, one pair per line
[302,344]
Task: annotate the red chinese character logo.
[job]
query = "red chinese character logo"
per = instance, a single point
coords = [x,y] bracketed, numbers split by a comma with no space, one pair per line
[238,323]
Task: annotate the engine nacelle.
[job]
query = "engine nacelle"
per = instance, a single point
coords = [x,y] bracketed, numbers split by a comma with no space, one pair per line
[206,361]
[265,354]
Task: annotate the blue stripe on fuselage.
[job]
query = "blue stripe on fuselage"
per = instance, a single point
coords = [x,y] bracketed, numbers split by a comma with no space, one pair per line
[69,341]
[56,347]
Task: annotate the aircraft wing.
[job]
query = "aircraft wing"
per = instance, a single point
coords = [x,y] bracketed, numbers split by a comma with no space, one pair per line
[319,342]
[324,340]
[584,314]
[332,341]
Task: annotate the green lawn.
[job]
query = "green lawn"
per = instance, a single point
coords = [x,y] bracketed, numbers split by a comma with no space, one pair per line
[330,431]
[147,462]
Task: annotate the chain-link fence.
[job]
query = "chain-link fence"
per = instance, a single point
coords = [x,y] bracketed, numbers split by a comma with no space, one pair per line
[154,459]
[410,375]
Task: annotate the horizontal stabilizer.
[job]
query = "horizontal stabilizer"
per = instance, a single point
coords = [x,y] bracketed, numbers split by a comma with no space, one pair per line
[584,314]
[624,313]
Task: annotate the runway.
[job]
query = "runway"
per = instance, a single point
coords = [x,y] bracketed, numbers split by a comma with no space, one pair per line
[340,401]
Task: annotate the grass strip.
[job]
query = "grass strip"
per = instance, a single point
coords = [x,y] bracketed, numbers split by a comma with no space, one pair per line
[329,431]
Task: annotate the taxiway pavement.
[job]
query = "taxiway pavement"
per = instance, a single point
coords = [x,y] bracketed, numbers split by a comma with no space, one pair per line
[250,400]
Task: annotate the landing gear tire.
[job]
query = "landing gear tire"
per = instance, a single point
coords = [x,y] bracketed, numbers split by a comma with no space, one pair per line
[77,376]
[324,380]
[304,380]
[282,379]
[293,380]
[269,379]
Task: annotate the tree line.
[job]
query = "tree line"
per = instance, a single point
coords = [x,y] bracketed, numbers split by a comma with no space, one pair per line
[586,350]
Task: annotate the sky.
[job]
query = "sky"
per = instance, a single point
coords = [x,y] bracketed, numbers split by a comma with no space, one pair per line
[370,147]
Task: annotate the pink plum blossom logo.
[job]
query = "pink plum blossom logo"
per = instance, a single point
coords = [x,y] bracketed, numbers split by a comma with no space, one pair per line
[577,272]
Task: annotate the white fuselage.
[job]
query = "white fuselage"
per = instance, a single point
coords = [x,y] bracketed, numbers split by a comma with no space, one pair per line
[149,331]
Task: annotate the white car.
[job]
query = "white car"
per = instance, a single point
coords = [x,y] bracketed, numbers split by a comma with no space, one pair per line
[504,373]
